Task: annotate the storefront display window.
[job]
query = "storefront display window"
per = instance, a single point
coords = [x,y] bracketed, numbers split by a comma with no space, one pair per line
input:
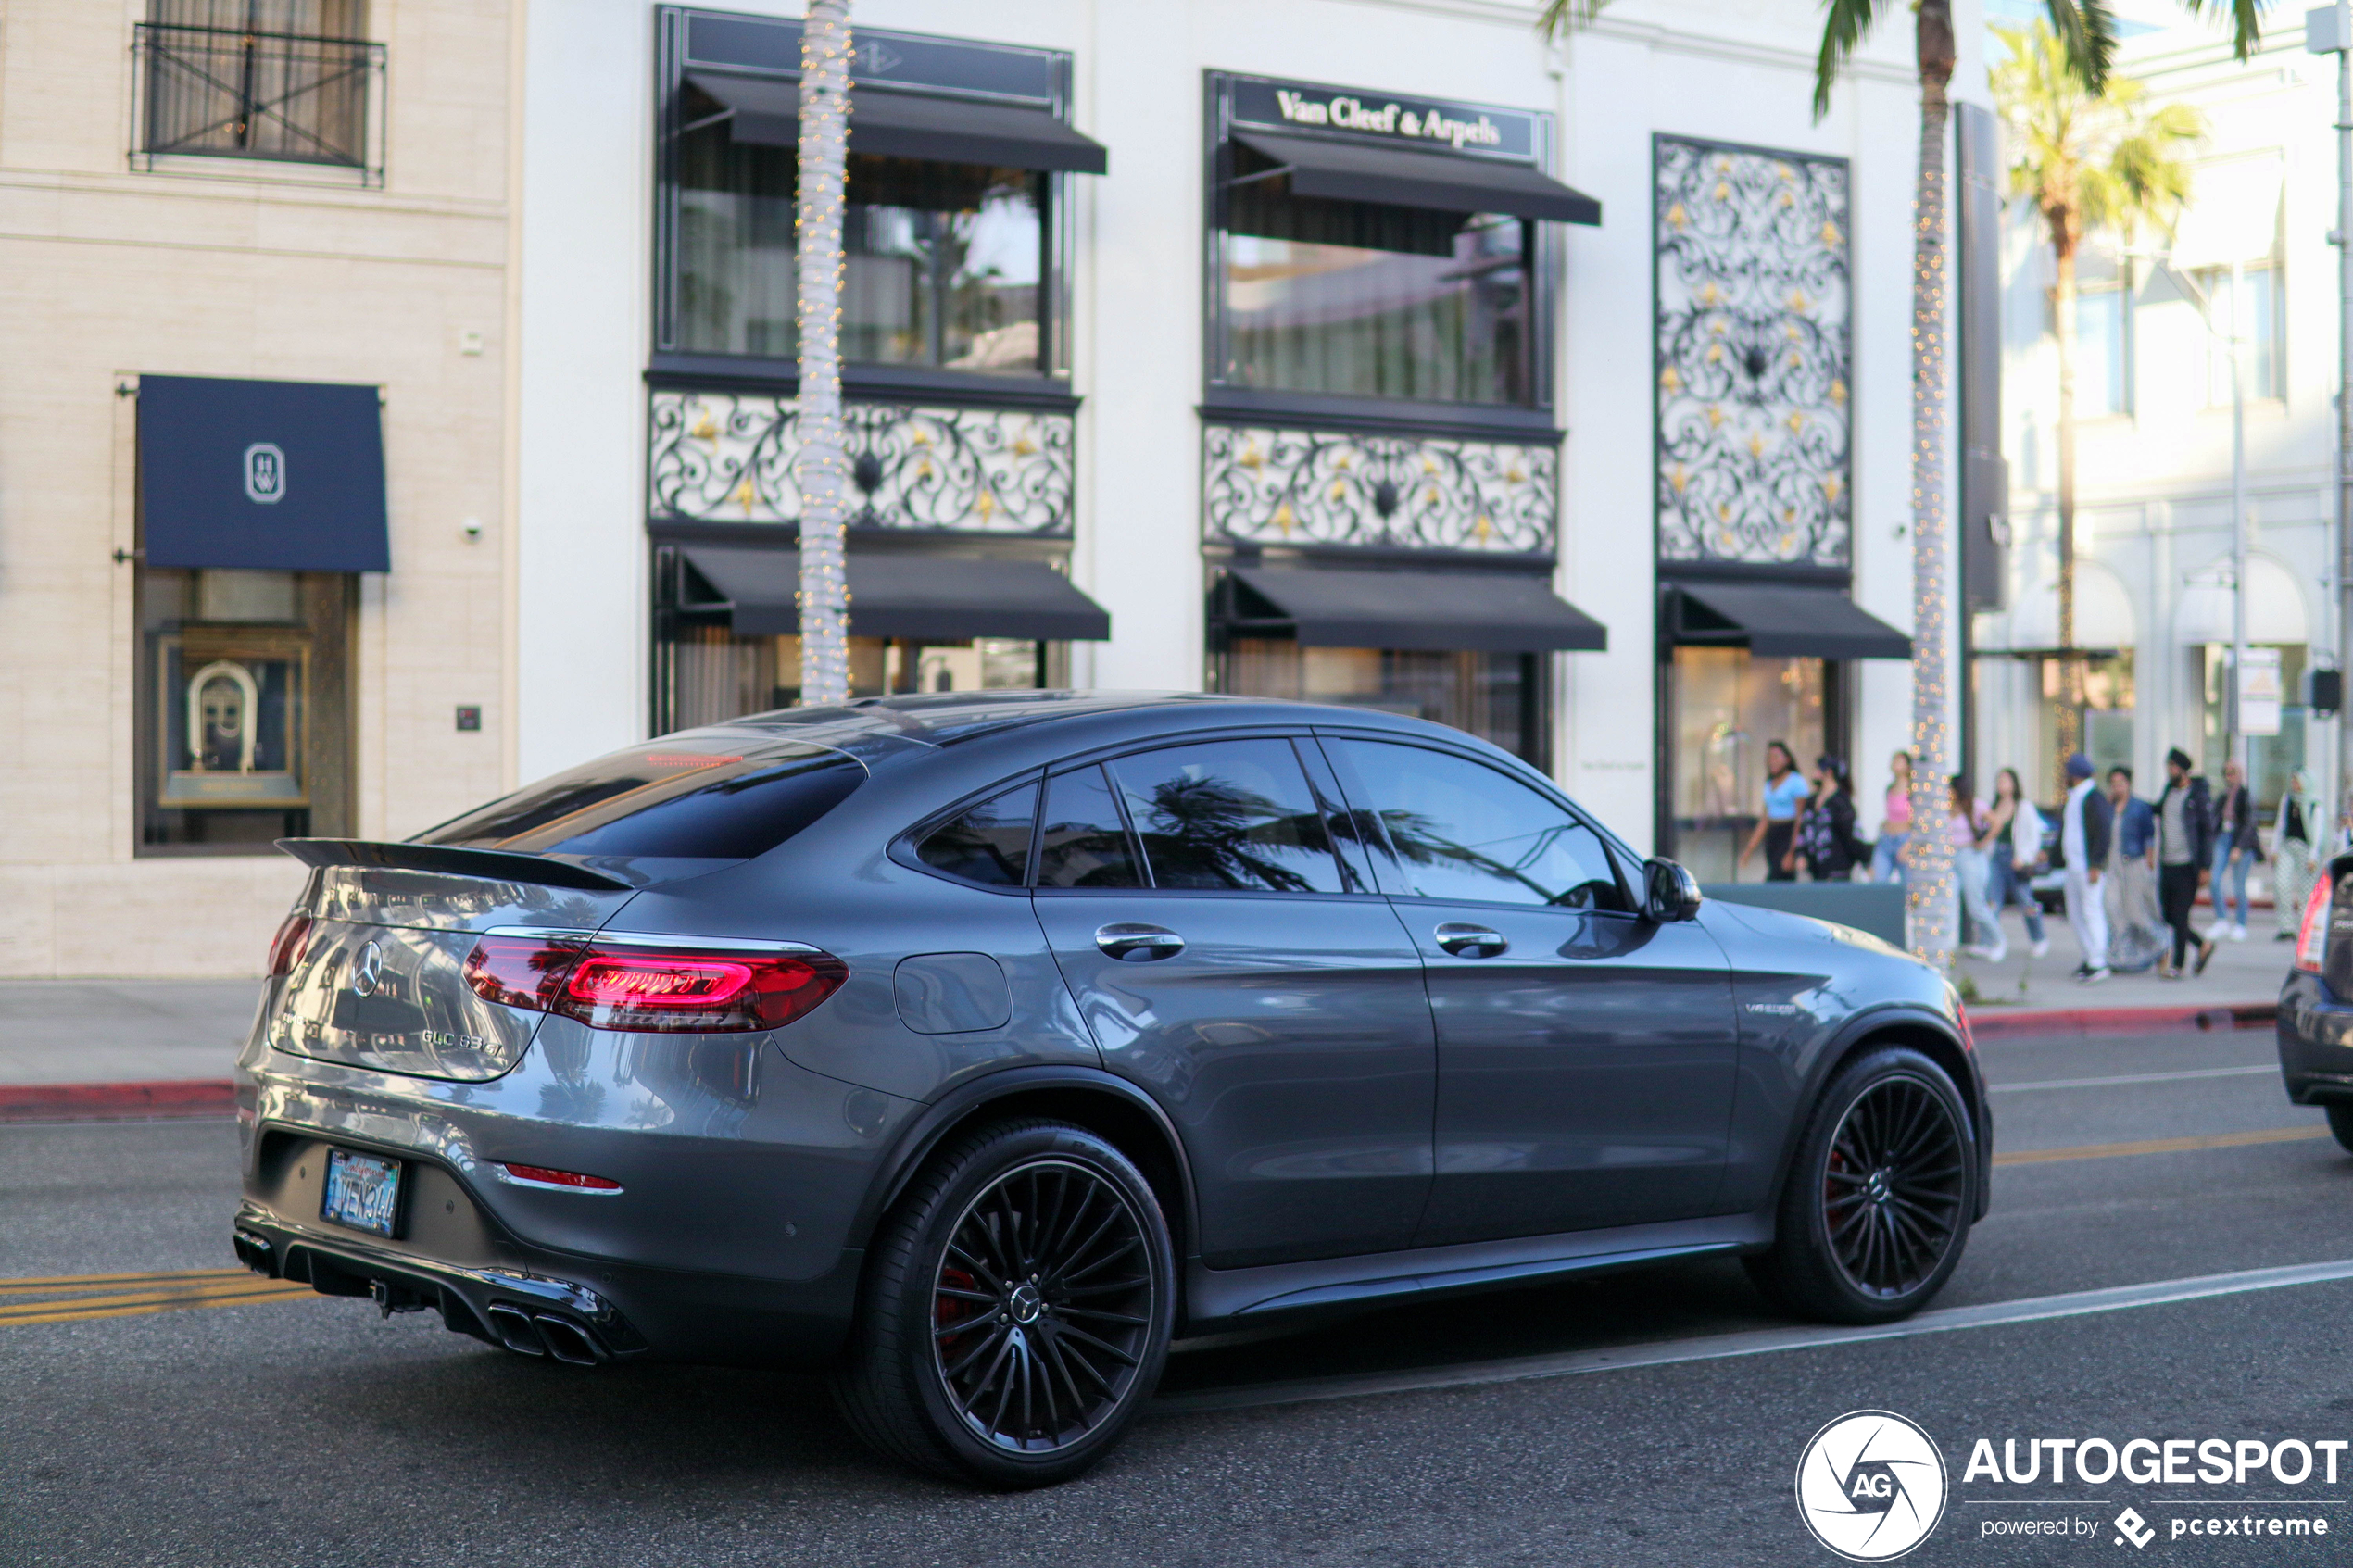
[1367,300]
[244,711]
[2270,757]
[945,262]
[1492,696]
[1727,705]
[713,675]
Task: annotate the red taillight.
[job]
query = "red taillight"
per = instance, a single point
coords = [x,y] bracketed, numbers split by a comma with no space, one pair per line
[2312,936]
[287,947]
[546,1177]
[665,990]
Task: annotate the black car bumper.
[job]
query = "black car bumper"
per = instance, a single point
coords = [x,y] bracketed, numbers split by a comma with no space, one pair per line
[2316,1041]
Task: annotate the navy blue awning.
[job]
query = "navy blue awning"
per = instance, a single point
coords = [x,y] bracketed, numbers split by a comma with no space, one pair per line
[949,598]
[263,475]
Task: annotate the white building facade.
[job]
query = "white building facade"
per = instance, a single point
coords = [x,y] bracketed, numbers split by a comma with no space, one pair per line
[1370,353]
[2154,536]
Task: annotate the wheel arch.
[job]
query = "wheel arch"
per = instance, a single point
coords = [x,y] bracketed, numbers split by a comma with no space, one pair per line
[1108,1106]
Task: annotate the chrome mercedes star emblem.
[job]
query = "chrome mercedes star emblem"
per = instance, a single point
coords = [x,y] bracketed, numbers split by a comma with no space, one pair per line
[367,970]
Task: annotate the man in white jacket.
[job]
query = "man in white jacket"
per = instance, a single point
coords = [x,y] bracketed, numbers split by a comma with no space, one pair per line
[2085,822]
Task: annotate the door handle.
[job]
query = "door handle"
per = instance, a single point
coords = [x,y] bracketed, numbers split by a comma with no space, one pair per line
[1131,942]
[1466,941]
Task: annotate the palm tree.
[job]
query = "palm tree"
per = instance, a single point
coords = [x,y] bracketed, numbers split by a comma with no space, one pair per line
[2089,161]
[2087,33]
[821,468]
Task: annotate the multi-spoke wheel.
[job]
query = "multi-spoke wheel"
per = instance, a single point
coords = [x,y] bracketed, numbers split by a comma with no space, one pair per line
[1879,1199]
[1017,1309]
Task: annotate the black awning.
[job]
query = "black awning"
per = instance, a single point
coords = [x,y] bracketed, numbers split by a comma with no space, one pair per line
[262,475]
[1466,611]
[767,111]
[946,598]
[1351,172]
[1785,620]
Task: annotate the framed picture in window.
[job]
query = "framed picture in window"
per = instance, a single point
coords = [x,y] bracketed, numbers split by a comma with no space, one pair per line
[230,727]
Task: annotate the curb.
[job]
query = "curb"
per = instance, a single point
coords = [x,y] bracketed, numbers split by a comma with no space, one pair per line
[2007,1024]
[153,1101]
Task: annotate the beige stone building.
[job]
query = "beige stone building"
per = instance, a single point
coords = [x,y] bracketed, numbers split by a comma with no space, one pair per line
[304,202]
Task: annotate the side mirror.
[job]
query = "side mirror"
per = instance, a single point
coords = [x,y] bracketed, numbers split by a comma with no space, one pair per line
[1670,892]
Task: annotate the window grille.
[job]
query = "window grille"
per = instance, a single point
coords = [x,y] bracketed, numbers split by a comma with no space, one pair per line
[281,80]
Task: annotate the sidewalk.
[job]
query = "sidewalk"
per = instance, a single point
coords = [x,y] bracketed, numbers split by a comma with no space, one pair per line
[2242,973]
[122,1031]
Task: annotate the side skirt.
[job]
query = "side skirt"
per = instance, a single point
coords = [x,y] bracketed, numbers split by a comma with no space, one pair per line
[1216,1295]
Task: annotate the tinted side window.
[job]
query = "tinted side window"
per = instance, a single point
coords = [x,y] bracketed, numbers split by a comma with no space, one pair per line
[1462,830]
[1229,814]
[1083,841]
[989,844]
[679,797]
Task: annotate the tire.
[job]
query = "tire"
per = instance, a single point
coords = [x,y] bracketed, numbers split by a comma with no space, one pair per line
[1053,1367]
[1877,1204]
[2341,1122]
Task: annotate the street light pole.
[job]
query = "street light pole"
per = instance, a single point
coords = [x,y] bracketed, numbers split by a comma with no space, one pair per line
[2235,738]
[2329,31]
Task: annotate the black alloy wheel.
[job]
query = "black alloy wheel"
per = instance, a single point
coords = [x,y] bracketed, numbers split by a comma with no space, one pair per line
[1894,1186]
[1879,1201]
[1044,1303]
[1016,1309]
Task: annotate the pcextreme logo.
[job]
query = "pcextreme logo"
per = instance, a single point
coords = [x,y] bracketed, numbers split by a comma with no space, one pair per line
[1870,1486]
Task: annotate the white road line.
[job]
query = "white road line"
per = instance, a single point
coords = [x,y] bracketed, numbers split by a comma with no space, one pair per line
[1755,1342]
[2271,1067]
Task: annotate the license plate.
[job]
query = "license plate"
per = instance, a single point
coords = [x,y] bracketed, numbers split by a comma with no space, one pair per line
[364,1191]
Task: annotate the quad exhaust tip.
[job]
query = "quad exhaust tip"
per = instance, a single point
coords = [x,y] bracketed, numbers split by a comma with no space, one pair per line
[544,1334]
[254,1251]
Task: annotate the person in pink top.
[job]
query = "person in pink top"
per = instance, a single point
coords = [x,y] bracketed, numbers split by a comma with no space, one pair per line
[1896,827]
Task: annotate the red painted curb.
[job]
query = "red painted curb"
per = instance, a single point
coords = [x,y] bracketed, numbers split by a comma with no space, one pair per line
[2005,1024]
[117,1102]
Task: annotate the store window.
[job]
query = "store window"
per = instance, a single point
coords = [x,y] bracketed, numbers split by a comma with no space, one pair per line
[2249,310]
[1369,300]
[945,263]
[2104,351]
[712,674]
[1494,695]
[1727,705]
[243,710]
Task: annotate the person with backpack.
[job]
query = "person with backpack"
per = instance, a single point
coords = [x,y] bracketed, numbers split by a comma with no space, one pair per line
[1826,840]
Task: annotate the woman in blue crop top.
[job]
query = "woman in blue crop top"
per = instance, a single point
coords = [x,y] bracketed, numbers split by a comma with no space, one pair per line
[1777,828]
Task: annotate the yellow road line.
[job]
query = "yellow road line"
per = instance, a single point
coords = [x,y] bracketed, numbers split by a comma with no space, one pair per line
[72,1312]
[127,1299]
[75,1282]
[2161,1146]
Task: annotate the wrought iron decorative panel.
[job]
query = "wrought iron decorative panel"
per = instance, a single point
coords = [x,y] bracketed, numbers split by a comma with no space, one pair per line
[728,457]
[1753,366]
[1271,487]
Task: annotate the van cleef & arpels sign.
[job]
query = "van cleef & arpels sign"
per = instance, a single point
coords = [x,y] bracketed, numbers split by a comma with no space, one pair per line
[1435,124]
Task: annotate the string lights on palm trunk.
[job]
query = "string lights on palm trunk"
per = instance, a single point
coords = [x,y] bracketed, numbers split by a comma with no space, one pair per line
[821,467]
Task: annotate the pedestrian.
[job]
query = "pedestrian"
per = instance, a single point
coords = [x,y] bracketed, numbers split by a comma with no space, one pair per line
[2084,820]
[2012,843]
[1895,822]
[2294,832]
[2237,846]
[1825,838]
[2135,922]
[1967,823]
[1777,828]
[2185,845]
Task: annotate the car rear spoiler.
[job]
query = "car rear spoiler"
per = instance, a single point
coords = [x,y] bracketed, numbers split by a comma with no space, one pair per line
[493,865]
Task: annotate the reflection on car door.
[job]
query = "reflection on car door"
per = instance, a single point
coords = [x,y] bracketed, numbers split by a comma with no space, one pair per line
[1585,1053]
[1265,996]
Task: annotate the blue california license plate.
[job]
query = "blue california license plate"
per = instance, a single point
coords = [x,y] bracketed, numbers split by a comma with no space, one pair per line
[364,1191]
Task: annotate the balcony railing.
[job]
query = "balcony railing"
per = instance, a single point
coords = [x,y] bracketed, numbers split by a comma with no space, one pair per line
[275,96]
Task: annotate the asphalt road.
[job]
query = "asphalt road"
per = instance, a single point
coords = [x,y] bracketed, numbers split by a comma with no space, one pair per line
[296,1430]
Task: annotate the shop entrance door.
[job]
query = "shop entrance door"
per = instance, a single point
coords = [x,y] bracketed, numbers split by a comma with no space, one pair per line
[1725,705]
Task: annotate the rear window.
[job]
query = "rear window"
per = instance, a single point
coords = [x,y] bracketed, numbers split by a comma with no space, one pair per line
[667,799]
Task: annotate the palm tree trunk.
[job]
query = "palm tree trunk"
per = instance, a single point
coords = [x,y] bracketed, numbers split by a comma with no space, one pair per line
[821,468]
[1929,887]
[2069,728]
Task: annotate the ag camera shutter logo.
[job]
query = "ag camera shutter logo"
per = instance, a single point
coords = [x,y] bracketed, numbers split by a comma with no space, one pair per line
[265,473]
[1870,1486]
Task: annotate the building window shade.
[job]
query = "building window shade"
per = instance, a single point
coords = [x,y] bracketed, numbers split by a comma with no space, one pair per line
[272,476]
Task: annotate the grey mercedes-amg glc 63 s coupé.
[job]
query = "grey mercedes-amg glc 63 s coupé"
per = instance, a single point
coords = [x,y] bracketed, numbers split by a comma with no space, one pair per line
[973,1046]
